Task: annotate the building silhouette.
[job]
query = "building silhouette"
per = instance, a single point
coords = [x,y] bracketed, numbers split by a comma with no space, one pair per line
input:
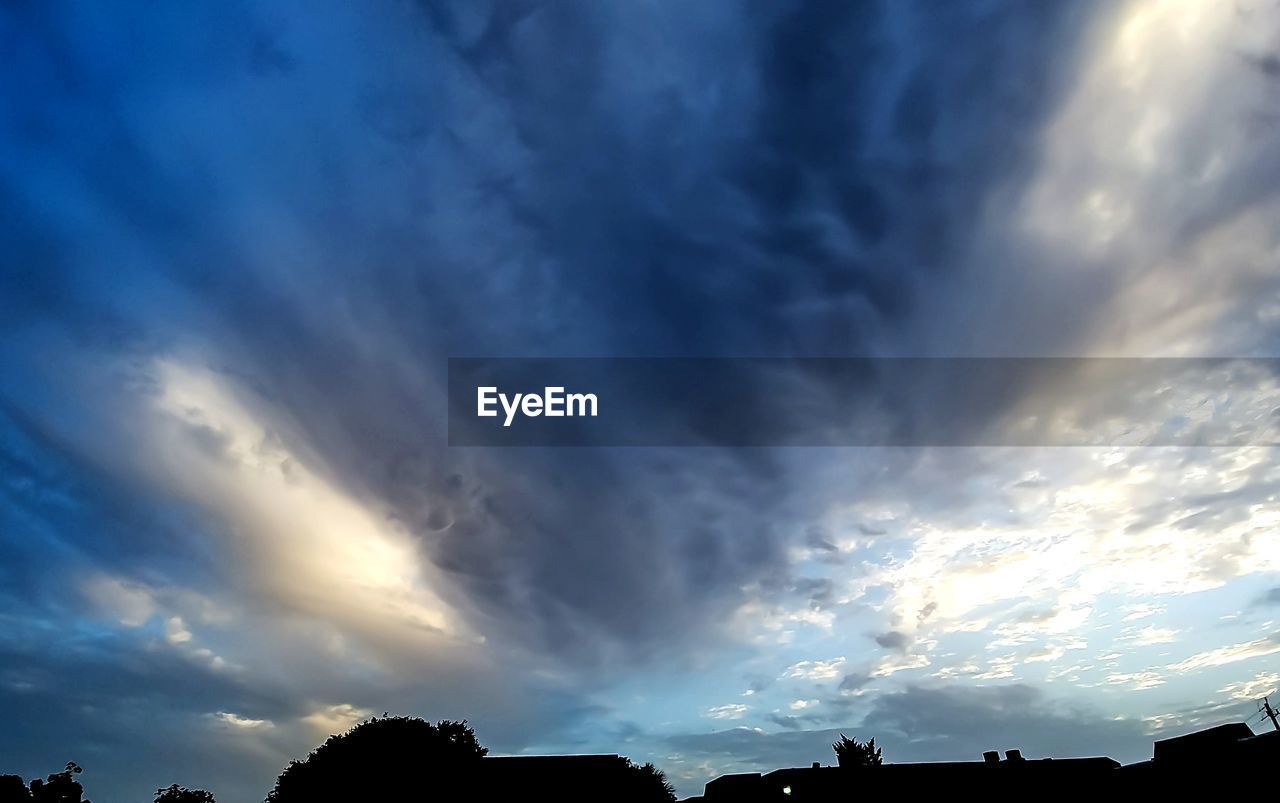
[1225,749]
[1215,754]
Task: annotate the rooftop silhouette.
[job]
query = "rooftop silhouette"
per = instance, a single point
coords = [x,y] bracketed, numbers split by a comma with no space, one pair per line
[1222,751]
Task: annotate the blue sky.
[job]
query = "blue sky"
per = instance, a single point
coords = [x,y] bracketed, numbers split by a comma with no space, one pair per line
[242,239]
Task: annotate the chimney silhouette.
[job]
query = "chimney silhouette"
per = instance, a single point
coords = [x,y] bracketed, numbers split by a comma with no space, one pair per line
[991,756]
[1013,755]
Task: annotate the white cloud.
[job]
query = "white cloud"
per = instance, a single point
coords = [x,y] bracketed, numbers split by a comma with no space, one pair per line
[1147,636]
[1109,529]
[816,670]
[242,723]
[1229,655]
[331,719]
[1048,653]
[309,544]
[1071,673]
[998,668]
[1138,681]
[175,631]
[730,711]
[1149,142]
[895,663]
[1263,685]
[958,670]
[1142,611]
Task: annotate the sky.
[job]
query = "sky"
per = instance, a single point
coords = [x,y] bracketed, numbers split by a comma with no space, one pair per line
[241,240]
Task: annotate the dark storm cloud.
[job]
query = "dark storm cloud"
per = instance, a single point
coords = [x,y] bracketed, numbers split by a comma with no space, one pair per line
[321,207]
[894,640]
[793,722]
[854,681]
[819,591]
[816,538]
[506,185]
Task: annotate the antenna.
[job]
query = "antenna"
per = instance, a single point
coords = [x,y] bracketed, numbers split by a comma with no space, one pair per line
[1270,712]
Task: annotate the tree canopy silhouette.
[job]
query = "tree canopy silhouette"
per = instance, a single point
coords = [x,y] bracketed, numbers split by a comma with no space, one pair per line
[13,789]
[650,783]
[388,759]
[852,753]
[59,787]
[181,794]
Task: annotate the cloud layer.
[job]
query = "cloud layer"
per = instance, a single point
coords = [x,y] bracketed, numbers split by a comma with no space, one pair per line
[241,243]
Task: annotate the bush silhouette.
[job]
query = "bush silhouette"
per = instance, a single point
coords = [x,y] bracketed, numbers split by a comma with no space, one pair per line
[181,794]
[388,759]
[852,753]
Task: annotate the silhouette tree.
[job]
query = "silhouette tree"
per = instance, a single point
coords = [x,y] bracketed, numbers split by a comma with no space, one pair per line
[13,789]
[181,794]
[60,787]
[388,759]
[852,753]
[648,783]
